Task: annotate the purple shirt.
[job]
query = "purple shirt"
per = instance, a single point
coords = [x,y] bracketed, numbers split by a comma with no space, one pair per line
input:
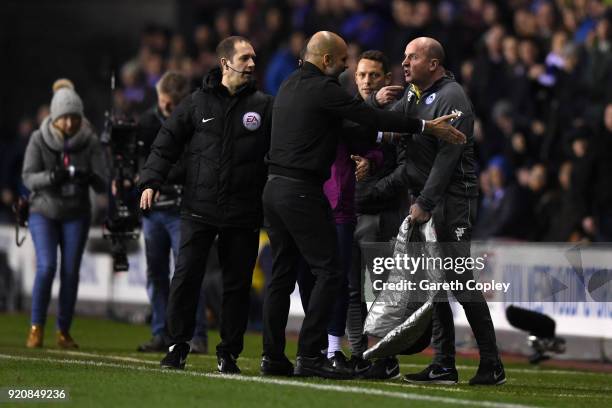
[340,188]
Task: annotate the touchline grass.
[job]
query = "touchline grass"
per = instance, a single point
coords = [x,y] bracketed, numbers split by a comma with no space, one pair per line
[107,372]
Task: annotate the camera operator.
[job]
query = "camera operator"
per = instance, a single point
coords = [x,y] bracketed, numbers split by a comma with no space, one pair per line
[161,225]
[63,159]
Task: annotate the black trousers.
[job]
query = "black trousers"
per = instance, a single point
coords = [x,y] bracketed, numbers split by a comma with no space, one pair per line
[237,249]
[381,227]
[299,221]
[454,218]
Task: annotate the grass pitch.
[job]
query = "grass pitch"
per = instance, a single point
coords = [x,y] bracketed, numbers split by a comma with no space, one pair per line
[107,371]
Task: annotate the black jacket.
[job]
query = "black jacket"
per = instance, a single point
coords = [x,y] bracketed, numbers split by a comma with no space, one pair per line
[309,113]
[225,139]
[148,127]
[431,167]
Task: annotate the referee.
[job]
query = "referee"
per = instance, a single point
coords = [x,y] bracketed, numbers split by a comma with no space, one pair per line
[224,129]
[308,115]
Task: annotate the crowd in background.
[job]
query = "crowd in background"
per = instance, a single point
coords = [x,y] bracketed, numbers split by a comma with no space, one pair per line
[539,74]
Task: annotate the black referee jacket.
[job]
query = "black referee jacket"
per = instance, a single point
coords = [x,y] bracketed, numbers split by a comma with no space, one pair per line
[225,138]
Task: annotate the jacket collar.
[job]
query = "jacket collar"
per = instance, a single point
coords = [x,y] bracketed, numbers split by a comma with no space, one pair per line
[310,67]
[212,82]
[448,77]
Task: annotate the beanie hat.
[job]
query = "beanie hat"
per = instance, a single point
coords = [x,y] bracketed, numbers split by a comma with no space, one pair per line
[65,101]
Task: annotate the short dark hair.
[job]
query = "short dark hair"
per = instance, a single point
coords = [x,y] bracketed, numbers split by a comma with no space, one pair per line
[174,84]
[378,56]
[227,46]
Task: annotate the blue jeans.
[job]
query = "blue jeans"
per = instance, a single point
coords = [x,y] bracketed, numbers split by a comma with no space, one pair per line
[47,235]
[162,233]
[337,322]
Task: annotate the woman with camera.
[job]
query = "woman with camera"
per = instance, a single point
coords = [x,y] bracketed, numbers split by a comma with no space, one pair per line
[63,159]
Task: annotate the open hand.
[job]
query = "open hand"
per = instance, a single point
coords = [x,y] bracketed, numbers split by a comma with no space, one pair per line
[443,130]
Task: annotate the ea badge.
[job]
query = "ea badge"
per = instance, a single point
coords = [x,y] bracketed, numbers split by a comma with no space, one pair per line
[251,121]
[430,99]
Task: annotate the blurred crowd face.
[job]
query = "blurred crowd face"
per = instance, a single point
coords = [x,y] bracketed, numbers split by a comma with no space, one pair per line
[422,14]
[565,175]
[559,41]
[528,52]
[545,17]
[297,42]
[370,77]
[608,117]
[510,50]
[242,65]
[493,40]
[69,125]
[242,23]
[496,177]
[525,24]
[537,177]
[402,13]
[418,67]
[166,104]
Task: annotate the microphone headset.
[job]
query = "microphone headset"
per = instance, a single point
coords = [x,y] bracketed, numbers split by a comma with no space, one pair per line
[235,70]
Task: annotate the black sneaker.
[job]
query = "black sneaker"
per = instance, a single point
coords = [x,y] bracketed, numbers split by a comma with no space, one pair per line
[489,374]
[339,360]
[434,374]
[320,366]
[176,357]
[157,344]
[226,363]
[383,369]
[282,367]
[359,365]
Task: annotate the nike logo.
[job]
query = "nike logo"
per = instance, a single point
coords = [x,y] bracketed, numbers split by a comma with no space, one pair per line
[207,120]
[362,369]
[496,376]
[433,376]
[389,371]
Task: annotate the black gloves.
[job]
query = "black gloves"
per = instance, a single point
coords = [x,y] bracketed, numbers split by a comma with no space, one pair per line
[59,175]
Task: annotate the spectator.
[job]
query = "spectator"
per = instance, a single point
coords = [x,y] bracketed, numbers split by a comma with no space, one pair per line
[62,160]
[284,62]
[501,209]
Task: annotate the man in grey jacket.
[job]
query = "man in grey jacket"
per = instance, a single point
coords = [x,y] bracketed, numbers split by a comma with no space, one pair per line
[443,178]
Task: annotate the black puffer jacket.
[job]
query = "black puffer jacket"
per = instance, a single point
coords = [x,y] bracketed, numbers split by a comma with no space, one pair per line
[225,138]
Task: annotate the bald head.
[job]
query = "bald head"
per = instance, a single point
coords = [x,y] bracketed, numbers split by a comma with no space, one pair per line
[430,47]
[328,51]
[423,62]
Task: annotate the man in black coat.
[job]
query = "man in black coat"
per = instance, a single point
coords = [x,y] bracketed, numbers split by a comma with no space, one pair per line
[309,110]
[224,129]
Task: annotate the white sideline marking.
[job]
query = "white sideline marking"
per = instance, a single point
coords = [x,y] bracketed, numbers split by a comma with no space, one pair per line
[534,370]
[292,383]
[104,356]
[516,370]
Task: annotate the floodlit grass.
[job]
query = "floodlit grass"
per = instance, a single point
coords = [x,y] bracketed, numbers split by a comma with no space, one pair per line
[107,371]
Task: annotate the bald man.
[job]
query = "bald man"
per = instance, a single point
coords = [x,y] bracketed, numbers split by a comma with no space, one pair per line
[443,177]
[308,115]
